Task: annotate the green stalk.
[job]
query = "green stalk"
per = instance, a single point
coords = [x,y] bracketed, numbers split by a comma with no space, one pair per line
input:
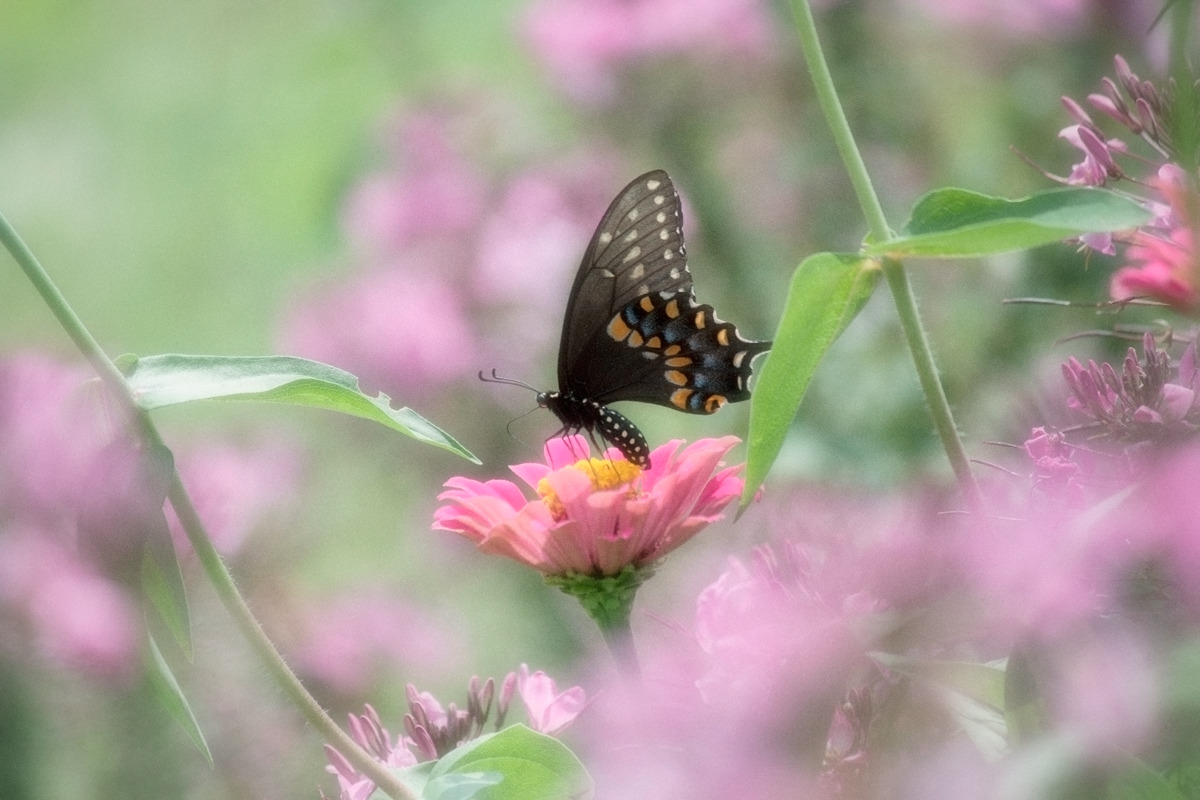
[879,231]
[618,636]
[214,567]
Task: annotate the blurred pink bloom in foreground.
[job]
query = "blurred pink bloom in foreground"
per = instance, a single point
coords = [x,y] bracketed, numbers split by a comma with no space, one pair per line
[594,516]
[743,704]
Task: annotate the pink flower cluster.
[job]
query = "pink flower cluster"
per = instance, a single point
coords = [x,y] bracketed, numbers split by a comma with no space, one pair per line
[432,730]
[1163,262]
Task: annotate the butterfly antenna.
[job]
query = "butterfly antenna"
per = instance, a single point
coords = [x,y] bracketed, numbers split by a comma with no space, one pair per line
[508,425]
[495,378]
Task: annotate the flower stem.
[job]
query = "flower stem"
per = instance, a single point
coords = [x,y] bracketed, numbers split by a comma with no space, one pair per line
[879,231]
[939,405]
[214,567]
[608,600]
[618,635]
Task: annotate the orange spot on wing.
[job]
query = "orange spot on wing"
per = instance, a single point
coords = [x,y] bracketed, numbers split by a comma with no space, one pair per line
[679,398]
[618,330]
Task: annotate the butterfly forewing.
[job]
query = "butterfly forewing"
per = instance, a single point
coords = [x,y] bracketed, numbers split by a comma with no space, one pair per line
[637,249]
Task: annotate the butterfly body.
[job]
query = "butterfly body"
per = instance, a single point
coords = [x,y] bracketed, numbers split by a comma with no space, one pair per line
[634,331]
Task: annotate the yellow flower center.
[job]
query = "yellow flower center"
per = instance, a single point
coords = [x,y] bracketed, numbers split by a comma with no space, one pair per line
[604,475]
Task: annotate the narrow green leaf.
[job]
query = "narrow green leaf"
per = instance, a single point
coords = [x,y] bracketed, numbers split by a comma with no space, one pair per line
[168,379]
[534,767]
[167,689]
[162,585]
[957,223]
[827,291]
[161,577]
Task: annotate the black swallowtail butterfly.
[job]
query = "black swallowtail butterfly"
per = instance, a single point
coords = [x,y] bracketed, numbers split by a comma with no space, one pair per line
[634,331]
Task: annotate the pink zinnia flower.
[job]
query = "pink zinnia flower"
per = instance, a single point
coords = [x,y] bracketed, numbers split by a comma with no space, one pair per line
[594,517]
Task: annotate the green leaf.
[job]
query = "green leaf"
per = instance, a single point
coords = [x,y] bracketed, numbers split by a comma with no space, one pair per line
[162,680]
[827,291]
[461,785]
[1137,780]
[168,379]
[161,577]
[162,585]
[971,693]
[957,223]
[533,767]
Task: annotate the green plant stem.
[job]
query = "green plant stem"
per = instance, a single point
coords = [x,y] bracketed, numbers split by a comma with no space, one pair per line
[879,231]
[618,635]
[235,604]
[214,567]
[939,405]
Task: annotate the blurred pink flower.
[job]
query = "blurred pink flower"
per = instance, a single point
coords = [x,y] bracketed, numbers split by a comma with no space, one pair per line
[549,711]
[403,330]
[79,618]
[50,436]
[584,43]
[1043,18]
[346,643]
[235,488]
[1157,524]
[431,192]
[1164,261]
[743,705]
[779,645]
[594,517]
[536,232]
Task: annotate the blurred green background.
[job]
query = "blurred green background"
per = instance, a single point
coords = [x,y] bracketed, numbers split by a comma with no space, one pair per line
[181,171]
